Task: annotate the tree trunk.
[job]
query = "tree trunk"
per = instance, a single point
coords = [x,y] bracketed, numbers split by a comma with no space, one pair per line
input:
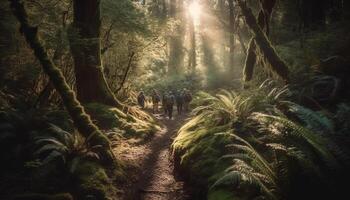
[86,50]
[269,54]
[176,54]
[172,8]
[265,14]
[164,10]
[240,38]
[250,61]
[81,120]
[192,56]
[232,36]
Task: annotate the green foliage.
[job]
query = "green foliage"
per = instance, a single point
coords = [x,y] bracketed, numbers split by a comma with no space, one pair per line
[18,128]
[125,15]
[92,181]
[222,195]
[249,168]
[198,144]
[191,82]
[342,119]
[136,124]
[265,148]
[28,135]
[317,121]
[65,146]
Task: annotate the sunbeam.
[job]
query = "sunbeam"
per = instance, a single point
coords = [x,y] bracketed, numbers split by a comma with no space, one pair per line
[194,9]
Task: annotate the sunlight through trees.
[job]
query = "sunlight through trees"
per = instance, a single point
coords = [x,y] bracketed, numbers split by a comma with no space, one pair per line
[174,99]
[194,9]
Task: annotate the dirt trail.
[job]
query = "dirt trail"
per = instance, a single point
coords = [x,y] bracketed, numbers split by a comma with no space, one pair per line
[153,176]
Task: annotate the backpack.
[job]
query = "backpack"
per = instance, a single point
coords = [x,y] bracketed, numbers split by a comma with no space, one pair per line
[140,99]
[187,97]
[170,99]
[155,98]
[179,98]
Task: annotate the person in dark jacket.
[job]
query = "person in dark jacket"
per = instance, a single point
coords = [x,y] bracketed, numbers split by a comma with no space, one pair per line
[155,100]
[187,99]
[164,96]
[179,102]
[170,101]
[141,99]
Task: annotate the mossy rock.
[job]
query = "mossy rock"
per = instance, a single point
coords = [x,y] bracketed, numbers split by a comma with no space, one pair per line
[198,151]
[104,116]
[92,181]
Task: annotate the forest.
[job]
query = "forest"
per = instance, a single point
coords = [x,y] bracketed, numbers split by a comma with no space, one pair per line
[174,99]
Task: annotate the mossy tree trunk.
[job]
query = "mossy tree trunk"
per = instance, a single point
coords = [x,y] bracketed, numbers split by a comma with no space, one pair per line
[192,54]
[86,50]
[265,13]
[176,53]
[81,120]
[249,62]
[261,41]
[232,20]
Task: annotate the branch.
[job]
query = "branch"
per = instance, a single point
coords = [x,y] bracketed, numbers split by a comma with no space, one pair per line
[240,38]
[126,72]
[277,64]
[106,38]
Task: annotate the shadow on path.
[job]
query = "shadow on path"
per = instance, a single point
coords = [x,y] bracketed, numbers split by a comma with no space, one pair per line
[155,179]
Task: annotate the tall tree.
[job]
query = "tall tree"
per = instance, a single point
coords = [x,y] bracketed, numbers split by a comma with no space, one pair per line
[81,120]
[192,59]
[232,19]
[86,50]
[176,54]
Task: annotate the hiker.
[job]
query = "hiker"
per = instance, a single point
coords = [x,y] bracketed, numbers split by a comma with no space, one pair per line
[187,99]
[141,99]
[164,102]
[179,102]
[170,100]
[155,100]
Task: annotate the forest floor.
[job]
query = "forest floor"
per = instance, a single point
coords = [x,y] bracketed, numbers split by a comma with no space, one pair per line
[151,175]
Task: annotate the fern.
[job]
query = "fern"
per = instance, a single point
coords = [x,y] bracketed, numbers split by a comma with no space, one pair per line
[249,168]
[290,128]
[64,145]
[342,119]
[315,121]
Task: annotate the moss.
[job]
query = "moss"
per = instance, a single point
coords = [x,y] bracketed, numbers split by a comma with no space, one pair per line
[200,150]
[221,194]
[91,180]
[81,121]
[250,61]
[107,117]
[269,54]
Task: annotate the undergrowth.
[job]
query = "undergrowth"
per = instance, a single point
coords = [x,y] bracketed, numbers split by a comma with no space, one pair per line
[256,145]
[136,123]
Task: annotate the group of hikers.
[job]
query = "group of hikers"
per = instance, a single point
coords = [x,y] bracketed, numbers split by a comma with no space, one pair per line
[179,98]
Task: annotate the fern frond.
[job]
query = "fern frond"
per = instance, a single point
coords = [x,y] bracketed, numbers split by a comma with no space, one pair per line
[318,142]
[315,121]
